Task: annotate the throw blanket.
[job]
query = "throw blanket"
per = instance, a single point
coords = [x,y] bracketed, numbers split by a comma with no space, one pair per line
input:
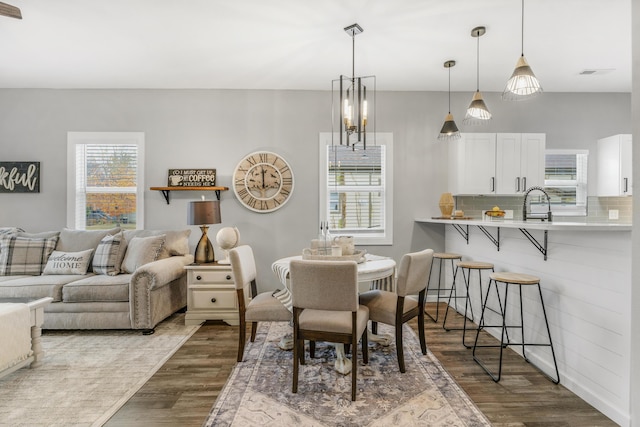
[15,334]
[281,269]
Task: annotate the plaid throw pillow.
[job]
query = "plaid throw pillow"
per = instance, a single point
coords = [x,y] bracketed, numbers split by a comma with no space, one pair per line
[24,256]
[109,254]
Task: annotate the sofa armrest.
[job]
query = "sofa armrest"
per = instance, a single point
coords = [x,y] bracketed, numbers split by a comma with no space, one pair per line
[151,278]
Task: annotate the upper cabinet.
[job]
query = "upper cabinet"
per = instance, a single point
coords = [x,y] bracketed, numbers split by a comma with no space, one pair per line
[502,163]
[615,166]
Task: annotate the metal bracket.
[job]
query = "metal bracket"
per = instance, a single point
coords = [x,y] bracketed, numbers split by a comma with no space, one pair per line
[494,240]
[463,233]
[166,193]
[541,248]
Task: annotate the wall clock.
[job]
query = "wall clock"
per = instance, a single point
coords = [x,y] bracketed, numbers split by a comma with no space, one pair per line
[263,181]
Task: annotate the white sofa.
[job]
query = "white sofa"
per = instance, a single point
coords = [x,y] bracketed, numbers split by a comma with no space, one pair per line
[147,285]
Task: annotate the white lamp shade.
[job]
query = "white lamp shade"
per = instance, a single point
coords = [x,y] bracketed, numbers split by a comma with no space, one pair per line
[523,84]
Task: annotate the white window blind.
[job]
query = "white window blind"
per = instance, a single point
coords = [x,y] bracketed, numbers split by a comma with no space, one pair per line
[105,180]
[566,182]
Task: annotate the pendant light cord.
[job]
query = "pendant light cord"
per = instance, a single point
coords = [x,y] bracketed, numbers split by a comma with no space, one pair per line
[449,89]
[522,31]
[353,55]
[478,62]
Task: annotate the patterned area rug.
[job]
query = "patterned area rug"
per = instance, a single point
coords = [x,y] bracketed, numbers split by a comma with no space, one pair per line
[258,392]
[86,376]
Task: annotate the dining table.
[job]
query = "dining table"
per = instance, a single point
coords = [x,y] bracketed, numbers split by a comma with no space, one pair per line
[374,272]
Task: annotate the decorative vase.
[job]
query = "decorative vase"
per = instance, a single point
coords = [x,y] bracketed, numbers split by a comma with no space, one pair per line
[446,204]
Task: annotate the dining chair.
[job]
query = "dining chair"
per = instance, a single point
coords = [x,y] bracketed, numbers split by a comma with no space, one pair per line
[325,308]
[253,307]
[397,308]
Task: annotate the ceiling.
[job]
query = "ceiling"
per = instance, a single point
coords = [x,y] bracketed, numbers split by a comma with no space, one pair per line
[300,44]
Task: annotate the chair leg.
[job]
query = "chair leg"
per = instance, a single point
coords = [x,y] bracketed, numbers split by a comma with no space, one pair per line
[301,354]
[294,386]
[254,328]
[365,347]
[399,348]
[374,328]
[242,336]
[312,349]
[354,370]
[423,339]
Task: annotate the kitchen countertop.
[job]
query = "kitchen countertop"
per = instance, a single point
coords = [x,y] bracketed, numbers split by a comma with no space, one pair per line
[535,224]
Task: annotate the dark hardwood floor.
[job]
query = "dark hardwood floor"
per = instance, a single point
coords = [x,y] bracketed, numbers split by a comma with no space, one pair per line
[183,391]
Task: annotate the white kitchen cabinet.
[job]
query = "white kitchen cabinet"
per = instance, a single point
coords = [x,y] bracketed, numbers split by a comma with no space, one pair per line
[519,162]
[496,163]
[615,166]
[472,164]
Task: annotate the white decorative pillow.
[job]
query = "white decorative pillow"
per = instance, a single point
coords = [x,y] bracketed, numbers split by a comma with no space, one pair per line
[109,254]
[21,255]
[141,251]
[68,262]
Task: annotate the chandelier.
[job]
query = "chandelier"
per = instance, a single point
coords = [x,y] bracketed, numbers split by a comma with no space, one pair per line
[355,104]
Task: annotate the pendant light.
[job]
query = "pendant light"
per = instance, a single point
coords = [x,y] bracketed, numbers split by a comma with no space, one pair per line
[354,101]
[449,129]
[477,113]
[523,84]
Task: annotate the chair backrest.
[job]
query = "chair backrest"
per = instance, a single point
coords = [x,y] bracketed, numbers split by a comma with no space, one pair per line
[413,272]
[324,285]
[243,266]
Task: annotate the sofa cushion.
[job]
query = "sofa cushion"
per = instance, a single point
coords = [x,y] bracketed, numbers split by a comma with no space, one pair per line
[38,286]
[80,240]
[141,251]
[176,241]
[68,262]
[41,235]
[109,254]
[98,288]
[21,255]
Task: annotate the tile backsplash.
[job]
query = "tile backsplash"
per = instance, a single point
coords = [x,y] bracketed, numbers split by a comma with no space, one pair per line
[597,207]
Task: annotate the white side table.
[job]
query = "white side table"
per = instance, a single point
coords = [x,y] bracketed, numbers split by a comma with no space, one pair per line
[211,294]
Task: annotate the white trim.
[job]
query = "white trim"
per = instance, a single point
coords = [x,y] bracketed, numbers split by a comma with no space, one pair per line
[380,138]
[76,138]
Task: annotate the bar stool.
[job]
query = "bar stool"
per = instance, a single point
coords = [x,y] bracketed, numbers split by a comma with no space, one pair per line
[441,257]
[520,280]
[467,267]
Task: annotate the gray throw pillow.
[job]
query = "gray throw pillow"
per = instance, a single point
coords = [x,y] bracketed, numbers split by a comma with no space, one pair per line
[68,262]
[141,251]
[80,240]
[21,255]
[109,255]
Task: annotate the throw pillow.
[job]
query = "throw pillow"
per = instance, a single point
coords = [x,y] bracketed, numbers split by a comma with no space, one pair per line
[80,240]
[21,255]
[68,262]
[176,242]
[141,251]
[109,254]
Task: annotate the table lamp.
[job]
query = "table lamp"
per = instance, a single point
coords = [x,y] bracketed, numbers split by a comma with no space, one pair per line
[203,213]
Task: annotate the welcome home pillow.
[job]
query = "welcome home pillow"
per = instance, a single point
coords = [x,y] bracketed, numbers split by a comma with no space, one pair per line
[109,254]
[21,255]
[68,262]
[141,251]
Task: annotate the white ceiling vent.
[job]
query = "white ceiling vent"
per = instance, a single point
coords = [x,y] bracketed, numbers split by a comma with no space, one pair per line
[596,71]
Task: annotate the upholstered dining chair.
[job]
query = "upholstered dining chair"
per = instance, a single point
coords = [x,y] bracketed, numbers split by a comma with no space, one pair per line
[395,309]
[325,308]
[252,306]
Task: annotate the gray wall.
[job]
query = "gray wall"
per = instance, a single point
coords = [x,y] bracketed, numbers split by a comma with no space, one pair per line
[216,128]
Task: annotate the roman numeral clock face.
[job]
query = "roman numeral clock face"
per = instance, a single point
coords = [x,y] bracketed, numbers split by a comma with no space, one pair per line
[263,181]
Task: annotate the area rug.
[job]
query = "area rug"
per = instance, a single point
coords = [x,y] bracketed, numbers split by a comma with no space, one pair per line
[258,392]
[86,376]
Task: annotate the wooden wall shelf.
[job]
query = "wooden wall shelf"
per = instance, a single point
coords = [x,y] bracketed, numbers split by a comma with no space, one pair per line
[166,190]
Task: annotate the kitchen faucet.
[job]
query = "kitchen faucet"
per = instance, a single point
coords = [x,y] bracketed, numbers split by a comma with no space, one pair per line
[524,206]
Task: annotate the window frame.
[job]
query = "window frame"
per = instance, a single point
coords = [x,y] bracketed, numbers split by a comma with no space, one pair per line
[575,209]
[373,239]
[74,139]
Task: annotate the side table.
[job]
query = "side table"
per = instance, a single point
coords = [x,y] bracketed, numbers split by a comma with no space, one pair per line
[211,294]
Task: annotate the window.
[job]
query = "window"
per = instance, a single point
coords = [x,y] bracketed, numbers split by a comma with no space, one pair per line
[566,182]
[355,196]
[105,185]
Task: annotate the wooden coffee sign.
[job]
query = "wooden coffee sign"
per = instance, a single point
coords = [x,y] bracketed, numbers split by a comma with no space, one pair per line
[192,177]
[19,177]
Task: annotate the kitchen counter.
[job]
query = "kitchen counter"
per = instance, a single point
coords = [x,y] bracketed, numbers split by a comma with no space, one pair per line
[535,224]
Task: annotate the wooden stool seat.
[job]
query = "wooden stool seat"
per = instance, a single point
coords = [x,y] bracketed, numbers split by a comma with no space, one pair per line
[447,255]
[515,278]
[476,265]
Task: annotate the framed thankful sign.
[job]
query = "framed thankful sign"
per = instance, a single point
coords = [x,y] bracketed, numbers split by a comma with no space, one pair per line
[19,177]
[192,177]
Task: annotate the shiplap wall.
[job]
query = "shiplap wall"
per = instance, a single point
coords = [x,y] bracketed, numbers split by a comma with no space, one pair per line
[586,286]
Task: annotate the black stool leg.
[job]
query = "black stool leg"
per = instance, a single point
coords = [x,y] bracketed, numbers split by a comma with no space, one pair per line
[553,354]
[438,295]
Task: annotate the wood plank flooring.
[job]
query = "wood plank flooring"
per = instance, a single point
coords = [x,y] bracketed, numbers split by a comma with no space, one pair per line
[183,391]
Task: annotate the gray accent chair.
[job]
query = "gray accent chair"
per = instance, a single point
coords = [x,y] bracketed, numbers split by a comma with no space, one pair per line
[253,307]
[397,308]
[326,308]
